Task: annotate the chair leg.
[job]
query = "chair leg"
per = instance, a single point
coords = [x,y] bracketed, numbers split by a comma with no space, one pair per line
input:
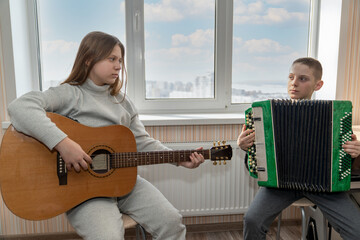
[321,222]
[278,227]
[330,230]
[303,224]
[140,232]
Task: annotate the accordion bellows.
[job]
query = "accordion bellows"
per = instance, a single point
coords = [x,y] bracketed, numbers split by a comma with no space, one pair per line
[298,144]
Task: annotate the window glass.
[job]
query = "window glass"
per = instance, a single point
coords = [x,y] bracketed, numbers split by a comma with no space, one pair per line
[64,23]
[267,37]
[179,48]
[180,43]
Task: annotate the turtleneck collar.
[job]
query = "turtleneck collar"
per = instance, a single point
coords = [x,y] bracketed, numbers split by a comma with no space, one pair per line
[91,86]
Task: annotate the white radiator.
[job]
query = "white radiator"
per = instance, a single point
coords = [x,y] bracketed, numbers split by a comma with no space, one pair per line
[208,189]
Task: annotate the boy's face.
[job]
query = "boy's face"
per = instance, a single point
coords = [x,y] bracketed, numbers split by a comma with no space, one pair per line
[302,82]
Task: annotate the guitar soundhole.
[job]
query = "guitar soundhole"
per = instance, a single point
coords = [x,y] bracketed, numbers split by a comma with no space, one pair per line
[100,161]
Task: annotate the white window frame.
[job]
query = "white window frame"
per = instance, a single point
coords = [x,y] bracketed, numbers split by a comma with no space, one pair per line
[222,69]
[135,62]
[19,45]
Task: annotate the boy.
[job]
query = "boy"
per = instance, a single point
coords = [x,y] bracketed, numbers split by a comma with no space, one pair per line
[304,78]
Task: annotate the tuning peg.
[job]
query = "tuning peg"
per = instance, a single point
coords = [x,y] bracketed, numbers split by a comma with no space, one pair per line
[219,162]
[223,142]
[214,144]
[219,143]
[224,162]
[214,163]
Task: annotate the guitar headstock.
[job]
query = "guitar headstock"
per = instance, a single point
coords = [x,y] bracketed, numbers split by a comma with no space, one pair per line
[221,153]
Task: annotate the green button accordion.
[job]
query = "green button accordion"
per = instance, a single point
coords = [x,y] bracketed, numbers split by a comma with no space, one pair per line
[298,144]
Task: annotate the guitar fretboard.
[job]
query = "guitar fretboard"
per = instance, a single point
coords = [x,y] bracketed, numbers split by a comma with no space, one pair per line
[133,159]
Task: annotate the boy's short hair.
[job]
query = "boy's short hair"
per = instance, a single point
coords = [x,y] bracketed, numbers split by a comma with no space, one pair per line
[313,64]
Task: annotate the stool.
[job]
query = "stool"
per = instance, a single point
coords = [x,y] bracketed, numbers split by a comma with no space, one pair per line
[310,211]
[130,223]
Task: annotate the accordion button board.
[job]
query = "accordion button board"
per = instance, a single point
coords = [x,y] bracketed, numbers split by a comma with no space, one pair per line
[298,144]
[257,152]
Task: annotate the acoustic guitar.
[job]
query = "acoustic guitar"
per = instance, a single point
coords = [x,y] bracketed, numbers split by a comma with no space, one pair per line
[35,184]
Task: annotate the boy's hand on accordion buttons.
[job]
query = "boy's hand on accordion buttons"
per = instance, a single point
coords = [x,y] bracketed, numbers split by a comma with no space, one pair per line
[352,147]
[246,138]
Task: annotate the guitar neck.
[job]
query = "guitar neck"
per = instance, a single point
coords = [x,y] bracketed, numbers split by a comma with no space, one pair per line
[133,159]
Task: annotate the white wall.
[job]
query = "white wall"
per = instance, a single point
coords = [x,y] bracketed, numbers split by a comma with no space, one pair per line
[328,48]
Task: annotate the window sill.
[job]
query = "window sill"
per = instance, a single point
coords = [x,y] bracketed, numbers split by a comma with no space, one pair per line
[191,119]
[5,124]
[182,119]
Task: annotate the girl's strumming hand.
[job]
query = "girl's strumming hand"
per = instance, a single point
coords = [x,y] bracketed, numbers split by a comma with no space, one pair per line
[73,155]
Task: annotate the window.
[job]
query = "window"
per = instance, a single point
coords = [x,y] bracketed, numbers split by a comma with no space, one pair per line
[254,45]
[160,83]
[191,56]
[268,36]
[63,24]
[179,49]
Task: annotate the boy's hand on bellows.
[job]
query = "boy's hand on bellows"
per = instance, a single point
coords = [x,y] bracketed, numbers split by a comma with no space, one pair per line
[73,155]
[196,160]
[352,147]
[246,138]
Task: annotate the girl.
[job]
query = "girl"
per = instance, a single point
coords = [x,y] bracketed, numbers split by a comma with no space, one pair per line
[91,95]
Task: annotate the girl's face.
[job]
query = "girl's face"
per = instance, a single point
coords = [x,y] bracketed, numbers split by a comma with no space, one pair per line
[301,82]
[106,71]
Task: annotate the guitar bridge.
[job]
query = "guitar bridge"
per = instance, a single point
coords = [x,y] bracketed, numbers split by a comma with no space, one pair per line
[61,170]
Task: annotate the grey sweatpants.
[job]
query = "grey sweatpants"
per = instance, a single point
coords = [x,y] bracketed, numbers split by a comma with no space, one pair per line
[338,209]
[100,218]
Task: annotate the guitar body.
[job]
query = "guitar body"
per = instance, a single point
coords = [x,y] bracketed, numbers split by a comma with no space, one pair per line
[28,170]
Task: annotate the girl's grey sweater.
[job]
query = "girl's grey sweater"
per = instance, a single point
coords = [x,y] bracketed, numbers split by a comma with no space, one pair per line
[90,104]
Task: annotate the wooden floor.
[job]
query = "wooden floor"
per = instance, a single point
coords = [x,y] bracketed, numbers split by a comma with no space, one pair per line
[288,232]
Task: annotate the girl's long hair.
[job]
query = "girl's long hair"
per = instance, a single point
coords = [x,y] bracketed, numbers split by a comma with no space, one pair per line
[95,47]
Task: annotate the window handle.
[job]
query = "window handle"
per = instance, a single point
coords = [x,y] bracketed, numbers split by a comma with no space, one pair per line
[137,21]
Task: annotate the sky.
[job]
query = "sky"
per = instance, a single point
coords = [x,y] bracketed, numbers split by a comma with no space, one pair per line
[179,36]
